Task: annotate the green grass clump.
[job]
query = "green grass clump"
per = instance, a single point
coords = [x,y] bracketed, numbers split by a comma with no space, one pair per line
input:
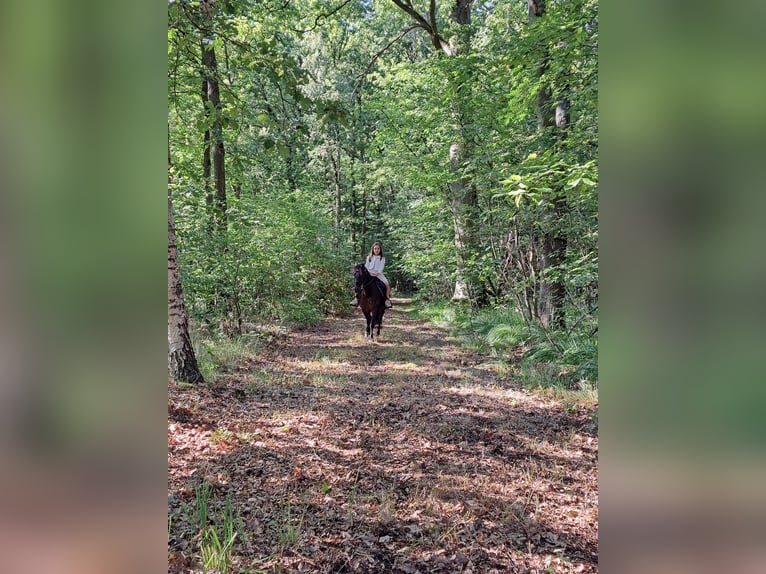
[216,532]
[218,354]
[289,524]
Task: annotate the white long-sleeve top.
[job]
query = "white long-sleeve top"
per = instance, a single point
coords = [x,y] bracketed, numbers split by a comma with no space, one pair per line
[375,265]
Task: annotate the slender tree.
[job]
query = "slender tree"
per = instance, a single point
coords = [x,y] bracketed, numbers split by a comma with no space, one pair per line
[462,194]
[554,241]
[182,362]
[206,163]
[213,110]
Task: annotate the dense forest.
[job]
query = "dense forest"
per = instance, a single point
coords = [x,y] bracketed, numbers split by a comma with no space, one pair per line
[461,135]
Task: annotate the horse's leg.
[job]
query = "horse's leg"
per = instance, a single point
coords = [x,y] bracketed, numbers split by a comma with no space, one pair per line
[375,320]
[368,329]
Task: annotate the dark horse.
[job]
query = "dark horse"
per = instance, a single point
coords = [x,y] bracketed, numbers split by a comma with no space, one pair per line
[371,294]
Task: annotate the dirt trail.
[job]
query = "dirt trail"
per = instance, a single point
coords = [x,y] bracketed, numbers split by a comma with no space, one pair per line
[408,455]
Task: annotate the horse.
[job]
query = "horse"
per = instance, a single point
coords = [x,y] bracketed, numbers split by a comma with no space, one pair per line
[371,294]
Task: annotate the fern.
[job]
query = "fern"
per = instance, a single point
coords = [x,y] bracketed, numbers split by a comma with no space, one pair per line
[506,336]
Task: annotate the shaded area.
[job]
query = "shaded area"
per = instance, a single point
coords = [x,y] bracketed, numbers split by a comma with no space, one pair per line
[408,454]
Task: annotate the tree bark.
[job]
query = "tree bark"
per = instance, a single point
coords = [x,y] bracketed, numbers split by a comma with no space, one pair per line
[206,163]
[463,203]
[464,198]
[214,108]
[182,362]
[536,9]
[352,193]
[554,243]
[363,230]
[557,239]
[337,189]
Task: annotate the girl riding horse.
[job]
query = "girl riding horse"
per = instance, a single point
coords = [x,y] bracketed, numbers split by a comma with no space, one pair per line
[375,264]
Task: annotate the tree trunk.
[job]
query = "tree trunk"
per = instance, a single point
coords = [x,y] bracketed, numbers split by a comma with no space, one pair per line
[554,243]
[536,9]
[292,182]
[182,363]
[353,217]
[462,220]
[363,230]
[462,193]
[556,237]
[336,189]
[464,198]
[206,163]
[206,171]
[210,75]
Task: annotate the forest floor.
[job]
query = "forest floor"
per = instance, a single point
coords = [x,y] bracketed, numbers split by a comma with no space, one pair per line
[404,455]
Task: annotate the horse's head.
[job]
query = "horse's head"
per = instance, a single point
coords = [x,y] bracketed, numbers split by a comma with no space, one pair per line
[361,276]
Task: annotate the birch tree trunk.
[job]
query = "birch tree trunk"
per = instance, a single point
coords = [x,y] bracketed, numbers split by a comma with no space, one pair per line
[182,363]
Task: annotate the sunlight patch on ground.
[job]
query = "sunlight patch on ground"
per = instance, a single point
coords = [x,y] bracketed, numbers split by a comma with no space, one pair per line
[328,381]
[405,444]
[509,396]
[455,374]
[325,366]
[397,366]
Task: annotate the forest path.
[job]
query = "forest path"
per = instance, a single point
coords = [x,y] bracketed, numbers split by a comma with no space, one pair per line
[407,454]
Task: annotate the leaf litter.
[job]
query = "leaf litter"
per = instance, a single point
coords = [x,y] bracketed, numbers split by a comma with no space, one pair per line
[405,455]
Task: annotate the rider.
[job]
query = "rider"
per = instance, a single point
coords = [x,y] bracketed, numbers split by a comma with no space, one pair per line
[375,263]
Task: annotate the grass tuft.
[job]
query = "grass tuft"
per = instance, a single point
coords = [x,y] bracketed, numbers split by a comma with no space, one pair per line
[218,355]
[289,525]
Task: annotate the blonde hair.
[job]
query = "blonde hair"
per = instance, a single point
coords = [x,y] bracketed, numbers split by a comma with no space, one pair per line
[372,248]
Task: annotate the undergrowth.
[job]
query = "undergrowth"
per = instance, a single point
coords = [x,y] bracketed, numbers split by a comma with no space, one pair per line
[537,358]
[216,354]
[214,528]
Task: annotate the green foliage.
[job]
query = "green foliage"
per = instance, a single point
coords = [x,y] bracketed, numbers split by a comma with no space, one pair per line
[201,504]
[332,142]
[568,361]
[221,435]
[216,353]
[423,251]
[541,358]
[271,263]
[505,336]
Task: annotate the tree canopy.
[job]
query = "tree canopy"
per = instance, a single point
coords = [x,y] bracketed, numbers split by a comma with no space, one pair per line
[462,135]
